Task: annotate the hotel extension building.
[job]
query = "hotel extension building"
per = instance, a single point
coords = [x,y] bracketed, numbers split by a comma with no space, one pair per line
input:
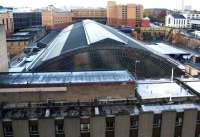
[124,15]
[54,18]
[98,14]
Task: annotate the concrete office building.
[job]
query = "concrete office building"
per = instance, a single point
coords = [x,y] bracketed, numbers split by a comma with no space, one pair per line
[6,18]
[54,18]
[24,20]
[124,15]
[3,50]
[156,108]
[98,15]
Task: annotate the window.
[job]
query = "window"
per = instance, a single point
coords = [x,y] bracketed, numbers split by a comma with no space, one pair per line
[110,123]
[198,118]
[169,21]
[7,129]
[134,122]
[110,126]
[179,120]
[3,21]
[59,127]
[85,127]
[7,24]
[33,128]
[156,122]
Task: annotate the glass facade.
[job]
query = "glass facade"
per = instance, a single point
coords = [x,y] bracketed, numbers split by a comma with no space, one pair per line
[111,58]
[26,19]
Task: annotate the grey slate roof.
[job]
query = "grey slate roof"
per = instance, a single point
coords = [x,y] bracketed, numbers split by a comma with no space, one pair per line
[178,16]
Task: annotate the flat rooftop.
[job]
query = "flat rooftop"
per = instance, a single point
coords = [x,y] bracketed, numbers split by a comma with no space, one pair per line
[156,89]
[167,49]
[117,109]
[65,77]
[158,108]
[193,83]
[19,36]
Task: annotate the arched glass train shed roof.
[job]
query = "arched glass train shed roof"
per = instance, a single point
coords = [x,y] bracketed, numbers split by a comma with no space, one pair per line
[91,46]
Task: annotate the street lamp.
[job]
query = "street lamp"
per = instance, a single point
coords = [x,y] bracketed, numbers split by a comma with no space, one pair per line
[136,61]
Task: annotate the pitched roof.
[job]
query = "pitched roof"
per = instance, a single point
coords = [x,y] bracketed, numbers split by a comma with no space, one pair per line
[79,35]
[89,45]
[178,16]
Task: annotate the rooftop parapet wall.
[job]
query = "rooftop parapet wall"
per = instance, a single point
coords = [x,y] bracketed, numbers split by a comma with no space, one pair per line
[71,93]
[90,109]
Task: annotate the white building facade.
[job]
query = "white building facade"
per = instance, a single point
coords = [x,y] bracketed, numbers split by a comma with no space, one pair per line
[192,19]
[175,21]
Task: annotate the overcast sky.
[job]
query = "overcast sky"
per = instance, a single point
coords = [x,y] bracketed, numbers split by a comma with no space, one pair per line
[170,4]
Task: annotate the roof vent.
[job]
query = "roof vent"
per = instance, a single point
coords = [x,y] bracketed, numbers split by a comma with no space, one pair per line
[170,100]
